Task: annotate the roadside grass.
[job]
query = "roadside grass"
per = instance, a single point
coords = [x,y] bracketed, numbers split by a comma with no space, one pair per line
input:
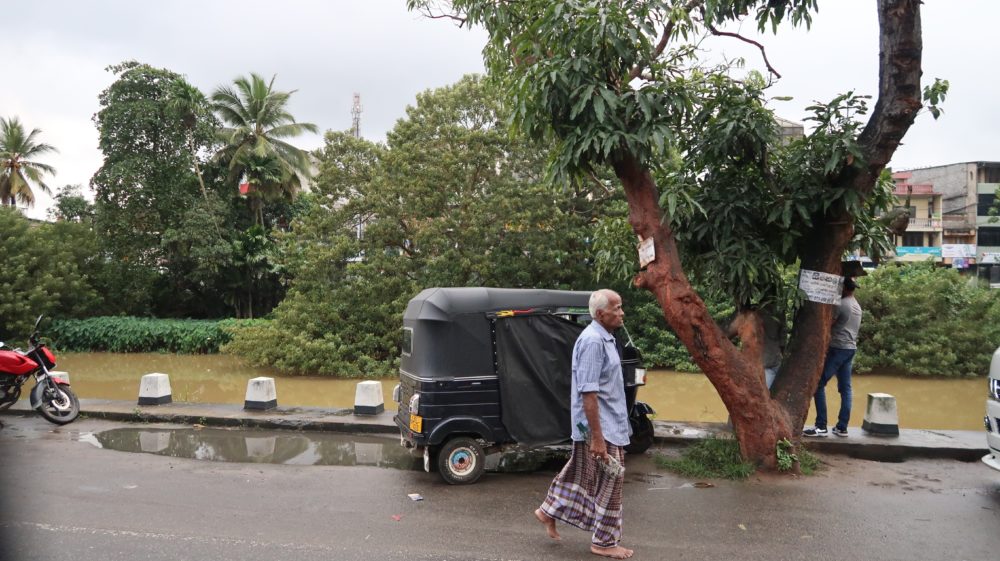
[719,458]
[808,462]
[715,458]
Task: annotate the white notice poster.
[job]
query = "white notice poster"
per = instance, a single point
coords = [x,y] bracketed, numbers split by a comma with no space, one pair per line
[821,287]
[647,253]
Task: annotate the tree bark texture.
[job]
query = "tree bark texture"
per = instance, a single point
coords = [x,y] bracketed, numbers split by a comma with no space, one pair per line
[736,375]
[897,105]
[760,417]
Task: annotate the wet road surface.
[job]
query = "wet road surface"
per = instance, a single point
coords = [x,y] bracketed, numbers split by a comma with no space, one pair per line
[64,497]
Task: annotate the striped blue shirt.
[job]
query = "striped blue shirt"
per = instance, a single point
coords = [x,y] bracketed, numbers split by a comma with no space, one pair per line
[598,368]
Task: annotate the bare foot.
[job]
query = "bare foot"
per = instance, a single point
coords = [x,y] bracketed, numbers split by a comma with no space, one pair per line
[616,552]
[549,522]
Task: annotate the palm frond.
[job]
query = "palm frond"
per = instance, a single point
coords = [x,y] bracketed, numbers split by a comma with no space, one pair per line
[292,129]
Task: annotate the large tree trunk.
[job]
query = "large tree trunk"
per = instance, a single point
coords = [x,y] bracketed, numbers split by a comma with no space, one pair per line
[899,100]
[737,375]
[759,419]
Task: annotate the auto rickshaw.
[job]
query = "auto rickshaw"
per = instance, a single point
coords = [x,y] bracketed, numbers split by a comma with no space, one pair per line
[484,368]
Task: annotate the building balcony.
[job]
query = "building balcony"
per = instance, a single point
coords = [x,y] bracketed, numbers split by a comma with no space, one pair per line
[959,222]
[924,225]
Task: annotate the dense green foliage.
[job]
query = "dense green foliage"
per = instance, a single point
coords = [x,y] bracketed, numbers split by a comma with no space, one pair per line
[926,321]
[48,269]
[180,240]
[123,334]
[450,200]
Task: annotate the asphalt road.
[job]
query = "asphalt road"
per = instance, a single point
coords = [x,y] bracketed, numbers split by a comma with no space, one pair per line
[64,498]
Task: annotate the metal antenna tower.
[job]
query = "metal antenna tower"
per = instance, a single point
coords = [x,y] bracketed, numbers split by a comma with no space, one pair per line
[356,116]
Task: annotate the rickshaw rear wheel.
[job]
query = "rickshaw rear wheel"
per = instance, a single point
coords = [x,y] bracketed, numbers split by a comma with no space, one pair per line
[642,435]
[461,461]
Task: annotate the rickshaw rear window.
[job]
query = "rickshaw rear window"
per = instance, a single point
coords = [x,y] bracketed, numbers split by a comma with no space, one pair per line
[407,340]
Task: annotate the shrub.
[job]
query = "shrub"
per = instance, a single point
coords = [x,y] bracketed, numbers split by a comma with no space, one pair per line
[926,321]
[46,269]
[133,335]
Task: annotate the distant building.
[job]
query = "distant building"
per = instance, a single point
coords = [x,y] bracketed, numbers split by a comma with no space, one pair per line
[789,130]
[968,191]
[924,234]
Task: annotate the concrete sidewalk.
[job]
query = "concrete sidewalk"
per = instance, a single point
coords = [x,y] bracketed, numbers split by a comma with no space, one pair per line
[960,445]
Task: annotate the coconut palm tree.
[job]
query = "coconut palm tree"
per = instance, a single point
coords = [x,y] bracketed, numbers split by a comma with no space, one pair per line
[18,169]
[257,124]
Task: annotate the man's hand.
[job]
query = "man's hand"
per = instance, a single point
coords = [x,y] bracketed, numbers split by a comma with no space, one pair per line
[599,449]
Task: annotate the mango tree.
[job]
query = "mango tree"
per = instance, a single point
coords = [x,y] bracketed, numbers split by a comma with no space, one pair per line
[709,184]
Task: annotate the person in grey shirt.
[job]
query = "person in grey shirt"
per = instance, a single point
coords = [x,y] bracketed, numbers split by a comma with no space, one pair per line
[839,359]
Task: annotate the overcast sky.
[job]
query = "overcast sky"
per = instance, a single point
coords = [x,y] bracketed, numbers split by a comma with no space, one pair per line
[328,50]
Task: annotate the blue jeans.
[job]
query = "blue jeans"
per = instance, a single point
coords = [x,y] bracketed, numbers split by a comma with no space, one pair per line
[838,363]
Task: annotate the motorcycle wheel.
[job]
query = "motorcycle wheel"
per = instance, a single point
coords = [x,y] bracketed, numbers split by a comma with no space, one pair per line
[642,435]
[59,404]
[9,396]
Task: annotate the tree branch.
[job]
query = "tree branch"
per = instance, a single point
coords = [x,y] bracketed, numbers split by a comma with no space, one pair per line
[664,39]
[899,95]
[763,53]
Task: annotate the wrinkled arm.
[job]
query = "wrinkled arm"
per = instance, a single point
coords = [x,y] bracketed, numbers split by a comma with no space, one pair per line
[590,409]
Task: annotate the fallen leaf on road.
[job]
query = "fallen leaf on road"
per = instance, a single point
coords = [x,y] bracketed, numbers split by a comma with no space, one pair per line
[742,527]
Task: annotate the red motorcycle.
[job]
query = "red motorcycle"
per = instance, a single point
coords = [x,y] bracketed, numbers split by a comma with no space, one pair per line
[51,396]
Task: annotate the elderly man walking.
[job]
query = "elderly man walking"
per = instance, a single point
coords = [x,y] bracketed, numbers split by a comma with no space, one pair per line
[587,493]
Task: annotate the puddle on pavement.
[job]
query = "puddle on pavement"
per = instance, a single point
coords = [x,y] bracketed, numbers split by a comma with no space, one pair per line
[312,448]
[267,447]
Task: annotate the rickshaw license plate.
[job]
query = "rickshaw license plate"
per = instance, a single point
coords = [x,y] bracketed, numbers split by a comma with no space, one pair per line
[416,423]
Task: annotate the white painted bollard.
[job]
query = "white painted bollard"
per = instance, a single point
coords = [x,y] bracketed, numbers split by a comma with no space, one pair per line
[881,416]
[154,389]
[64,376]
[368,398]
[261,394]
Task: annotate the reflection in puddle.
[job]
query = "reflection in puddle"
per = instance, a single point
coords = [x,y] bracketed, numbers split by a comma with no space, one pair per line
[219,445]
[308,449]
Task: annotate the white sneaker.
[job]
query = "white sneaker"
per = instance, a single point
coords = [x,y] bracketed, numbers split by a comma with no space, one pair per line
[815,432]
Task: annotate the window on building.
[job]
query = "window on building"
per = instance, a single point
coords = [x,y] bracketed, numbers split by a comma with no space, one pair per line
[913,239]
[989,237]
[985,202]
[930,208]
[989,174]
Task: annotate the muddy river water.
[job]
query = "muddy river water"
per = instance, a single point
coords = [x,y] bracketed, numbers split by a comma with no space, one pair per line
[937,403]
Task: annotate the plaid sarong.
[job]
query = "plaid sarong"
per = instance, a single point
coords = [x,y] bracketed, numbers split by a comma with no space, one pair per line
[586,496]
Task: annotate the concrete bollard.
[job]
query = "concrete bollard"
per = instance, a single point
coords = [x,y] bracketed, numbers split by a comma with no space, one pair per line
[881,416]
[261,394]
[154,389]
[64,376]
[368,398]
